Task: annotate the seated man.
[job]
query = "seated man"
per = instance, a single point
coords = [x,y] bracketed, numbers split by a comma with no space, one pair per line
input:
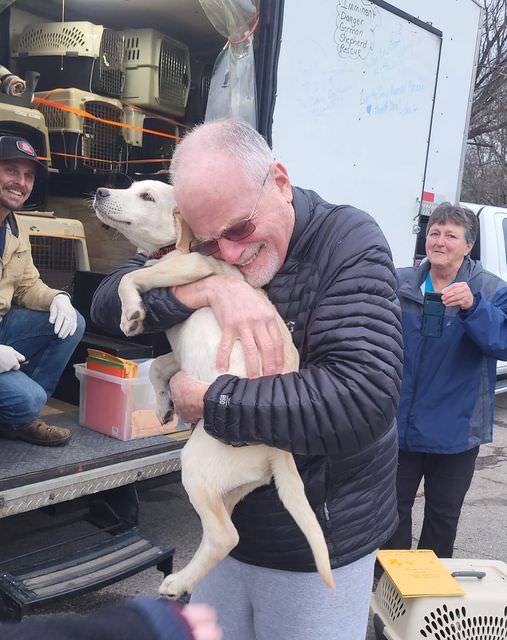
[35,345]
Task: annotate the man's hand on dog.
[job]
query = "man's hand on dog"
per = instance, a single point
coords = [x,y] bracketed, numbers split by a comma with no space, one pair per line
[241,313]
[188,397]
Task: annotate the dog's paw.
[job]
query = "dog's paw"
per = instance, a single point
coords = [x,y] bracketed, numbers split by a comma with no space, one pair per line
[174,586]
[132,321]
[165,407]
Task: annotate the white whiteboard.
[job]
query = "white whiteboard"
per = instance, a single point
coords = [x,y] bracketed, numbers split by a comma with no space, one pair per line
[352,117]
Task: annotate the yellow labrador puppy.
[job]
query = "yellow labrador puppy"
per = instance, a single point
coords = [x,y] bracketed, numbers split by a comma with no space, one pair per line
[215,475]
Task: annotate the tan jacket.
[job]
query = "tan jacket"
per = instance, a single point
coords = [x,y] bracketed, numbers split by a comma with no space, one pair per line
[20,282]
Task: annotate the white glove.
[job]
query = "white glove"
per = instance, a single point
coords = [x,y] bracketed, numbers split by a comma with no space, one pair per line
[63,315]
[9,358]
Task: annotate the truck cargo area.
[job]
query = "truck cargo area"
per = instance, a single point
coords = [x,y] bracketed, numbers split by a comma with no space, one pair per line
[33,476]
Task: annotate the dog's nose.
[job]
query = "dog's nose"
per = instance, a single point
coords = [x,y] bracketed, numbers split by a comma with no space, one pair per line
[102,193]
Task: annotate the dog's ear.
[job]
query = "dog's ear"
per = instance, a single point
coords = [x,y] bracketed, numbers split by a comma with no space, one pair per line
[184,234]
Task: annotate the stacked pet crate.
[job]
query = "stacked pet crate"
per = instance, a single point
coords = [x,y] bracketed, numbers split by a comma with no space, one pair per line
[157,84]
[81,67]
[157,71]
[84,138]
[100,88]
[150,142]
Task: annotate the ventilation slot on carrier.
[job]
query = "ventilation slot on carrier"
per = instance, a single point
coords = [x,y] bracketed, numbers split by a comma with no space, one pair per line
[102,142]
[56,259]
[445,623]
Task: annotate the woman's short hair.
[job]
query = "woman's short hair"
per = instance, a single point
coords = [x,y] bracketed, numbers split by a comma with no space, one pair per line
[447,212]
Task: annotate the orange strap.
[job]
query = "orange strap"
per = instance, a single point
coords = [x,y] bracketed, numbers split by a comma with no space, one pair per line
[144,161]
[85,114]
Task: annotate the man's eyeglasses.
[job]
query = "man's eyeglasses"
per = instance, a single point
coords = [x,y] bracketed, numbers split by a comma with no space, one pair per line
[237,232]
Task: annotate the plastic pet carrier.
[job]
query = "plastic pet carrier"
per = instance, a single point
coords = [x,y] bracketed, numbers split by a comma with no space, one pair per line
[29,124]
[143,146]
[58,249]
[78,55]
[80,143]
[481,614]
[157,71]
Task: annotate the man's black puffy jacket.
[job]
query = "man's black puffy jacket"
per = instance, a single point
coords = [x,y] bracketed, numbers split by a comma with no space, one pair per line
[336,293]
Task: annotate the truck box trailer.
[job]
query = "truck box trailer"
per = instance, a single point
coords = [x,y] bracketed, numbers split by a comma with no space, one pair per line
[372,105]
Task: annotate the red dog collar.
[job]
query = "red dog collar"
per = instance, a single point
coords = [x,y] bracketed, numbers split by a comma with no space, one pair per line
[160,253]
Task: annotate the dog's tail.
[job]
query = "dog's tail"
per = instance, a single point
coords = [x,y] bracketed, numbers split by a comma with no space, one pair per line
[292,494]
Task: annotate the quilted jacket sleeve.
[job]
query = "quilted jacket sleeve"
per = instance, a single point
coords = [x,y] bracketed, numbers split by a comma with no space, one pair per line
[346,392]
[163,310]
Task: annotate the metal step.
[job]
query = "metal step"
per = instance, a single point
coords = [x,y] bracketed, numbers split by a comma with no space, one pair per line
[501,385]
[91,568]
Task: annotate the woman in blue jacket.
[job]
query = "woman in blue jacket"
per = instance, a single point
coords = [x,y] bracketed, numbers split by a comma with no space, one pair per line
[448,388]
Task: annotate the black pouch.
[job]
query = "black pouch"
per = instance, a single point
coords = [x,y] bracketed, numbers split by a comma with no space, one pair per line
[433,315]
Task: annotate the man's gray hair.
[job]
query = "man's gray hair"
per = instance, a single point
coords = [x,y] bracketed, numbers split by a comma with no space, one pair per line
[447,212]
[231,138]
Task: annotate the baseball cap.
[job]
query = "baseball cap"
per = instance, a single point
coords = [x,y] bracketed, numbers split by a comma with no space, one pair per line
[14,148]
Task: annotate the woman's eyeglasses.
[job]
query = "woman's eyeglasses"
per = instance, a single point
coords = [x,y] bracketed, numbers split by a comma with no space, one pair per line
[237,232]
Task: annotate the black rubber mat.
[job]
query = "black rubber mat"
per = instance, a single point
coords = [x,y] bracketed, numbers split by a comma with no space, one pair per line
[86,449]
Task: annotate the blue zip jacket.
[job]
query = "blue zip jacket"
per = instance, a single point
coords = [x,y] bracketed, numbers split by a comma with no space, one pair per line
[448,386]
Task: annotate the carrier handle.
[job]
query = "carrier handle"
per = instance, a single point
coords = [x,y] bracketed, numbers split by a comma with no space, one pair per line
[469,574]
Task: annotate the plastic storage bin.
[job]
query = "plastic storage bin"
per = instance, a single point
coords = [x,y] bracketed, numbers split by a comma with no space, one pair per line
[107,404]
[481,614]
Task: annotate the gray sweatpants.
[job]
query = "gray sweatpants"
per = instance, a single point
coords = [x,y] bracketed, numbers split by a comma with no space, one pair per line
[254,603]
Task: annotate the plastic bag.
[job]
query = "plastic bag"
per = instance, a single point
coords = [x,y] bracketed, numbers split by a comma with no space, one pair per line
[232,91]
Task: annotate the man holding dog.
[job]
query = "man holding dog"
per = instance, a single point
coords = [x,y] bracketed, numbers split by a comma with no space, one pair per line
[39,327]
[328,271]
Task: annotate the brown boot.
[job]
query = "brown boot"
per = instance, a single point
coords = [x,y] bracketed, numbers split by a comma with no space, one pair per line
[39,433]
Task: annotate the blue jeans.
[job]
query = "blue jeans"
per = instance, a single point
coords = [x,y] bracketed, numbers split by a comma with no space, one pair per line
[24,392]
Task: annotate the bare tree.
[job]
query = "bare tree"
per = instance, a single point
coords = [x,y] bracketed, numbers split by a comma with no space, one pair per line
[488,109]
[485,172]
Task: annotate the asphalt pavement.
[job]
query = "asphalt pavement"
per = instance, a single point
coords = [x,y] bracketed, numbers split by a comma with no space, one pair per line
[167,517]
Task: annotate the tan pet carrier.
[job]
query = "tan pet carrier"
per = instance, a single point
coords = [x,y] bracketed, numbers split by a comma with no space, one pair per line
[73,55]
[157,71]
[481,614]
[79,143]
